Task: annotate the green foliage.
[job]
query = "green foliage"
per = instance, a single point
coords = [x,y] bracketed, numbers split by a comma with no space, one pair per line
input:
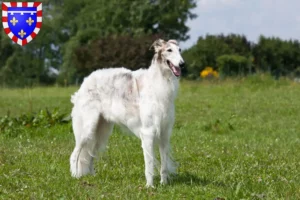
[121,27]
[6,49]
[277,56]
[130,17]
[68,69]
[12,126]
[74,31]
[271,55]
[72,24]
[208,49]
[21,69]
[113,51]
[233,65]
[89,21]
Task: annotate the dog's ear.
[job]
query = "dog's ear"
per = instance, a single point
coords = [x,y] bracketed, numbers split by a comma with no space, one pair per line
[158,45]
[173,42]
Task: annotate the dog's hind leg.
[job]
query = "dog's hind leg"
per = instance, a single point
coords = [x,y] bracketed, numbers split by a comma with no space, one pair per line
[104,130]
[85,128]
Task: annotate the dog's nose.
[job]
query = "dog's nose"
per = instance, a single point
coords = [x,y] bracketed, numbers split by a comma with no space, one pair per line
[182,64]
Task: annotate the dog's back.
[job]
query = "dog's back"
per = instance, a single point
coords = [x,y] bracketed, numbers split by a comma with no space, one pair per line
[112,92]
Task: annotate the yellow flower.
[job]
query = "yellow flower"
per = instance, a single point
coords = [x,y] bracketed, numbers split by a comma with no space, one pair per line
[216,74]
[204,73]
[209,72]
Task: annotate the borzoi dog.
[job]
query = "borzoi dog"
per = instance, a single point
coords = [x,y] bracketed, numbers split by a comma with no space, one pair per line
[142,101]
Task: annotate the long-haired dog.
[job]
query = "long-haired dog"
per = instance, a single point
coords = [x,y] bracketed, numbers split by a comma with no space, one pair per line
[142,101]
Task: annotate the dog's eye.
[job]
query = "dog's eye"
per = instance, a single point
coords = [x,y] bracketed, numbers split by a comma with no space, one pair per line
[179,50]
[169,50]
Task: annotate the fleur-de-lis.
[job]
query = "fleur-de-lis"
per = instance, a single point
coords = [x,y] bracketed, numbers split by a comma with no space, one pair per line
[14,21]
[22,33]
[29,21]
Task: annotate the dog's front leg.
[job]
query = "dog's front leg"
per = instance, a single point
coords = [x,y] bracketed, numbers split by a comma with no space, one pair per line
[167,165]
[147,137]
[164,156]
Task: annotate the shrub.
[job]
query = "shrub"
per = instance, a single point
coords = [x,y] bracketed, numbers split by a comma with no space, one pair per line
[232,65]
[109,52]
[44,118]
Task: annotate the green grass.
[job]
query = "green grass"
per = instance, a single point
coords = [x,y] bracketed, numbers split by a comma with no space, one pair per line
[16,101]
[234,139]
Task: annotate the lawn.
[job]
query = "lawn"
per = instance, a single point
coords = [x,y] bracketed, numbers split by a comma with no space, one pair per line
[234,139]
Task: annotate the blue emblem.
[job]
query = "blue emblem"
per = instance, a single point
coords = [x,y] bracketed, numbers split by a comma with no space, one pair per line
[22,20]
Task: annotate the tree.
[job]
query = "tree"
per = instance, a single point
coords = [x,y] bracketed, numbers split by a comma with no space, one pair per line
[6,50]
[89,20]
[113,51]
[209,48]
[277,56]
[69,25]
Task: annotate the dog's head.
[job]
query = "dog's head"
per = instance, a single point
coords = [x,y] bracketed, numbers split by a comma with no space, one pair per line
[169,53]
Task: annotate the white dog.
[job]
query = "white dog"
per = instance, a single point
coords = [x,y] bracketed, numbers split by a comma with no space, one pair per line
[142,101]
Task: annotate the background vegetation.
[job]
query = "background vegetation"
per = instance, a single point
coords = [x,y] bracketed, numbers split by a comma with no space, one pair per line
[79,36]
[234,55]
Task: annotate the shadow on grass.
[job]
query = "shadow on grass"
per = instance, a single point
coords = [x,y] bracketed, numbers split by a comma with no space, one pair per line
[187,178]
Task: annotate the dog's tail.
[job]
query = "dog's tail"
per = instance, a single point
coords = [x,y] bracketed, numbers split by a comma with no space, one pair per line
[74,97]
[80,162]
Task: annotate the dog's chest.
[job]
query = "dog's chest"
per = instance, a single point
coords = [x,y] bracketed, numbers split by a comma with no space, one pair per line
[157,102]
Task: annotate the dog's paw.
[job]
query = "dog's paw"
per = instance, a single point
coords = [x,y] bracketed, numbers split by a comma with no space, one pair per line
[163,182]
[164,179]
[149,186]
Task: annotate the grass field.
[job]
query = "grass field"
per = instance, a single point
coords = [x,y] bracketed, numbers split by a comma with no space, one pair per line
[234,140]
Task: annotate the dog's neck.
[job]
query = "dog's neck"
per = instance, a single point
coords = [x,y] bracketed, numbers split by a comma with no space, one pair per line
[163,79]
[160,70]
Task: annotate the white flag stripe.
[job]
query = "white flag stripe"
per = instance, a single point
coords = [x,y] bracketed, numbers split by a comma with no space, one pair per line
[10,34]
[7,4]
[39,7]
[36,30]
[19,41]
[29,38]
[5,25]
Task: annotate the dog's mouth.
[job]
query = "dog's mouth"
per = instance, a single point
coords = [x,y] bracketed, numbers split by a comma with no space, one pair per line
[176,70]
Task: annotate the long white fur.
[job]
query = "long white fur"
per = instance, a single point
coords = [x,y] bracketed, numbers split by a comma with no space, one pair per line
[142,101]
